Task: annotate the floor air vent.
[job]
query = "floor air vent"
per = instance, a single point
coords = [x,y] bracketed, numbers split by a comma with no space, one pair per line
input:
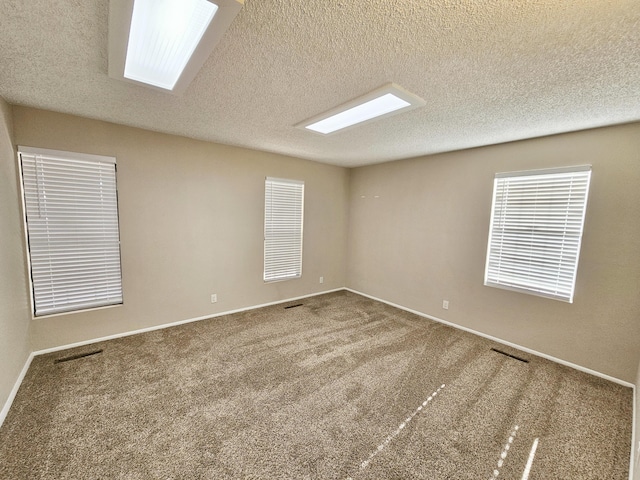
[77,356]
[294,306]
[509,355]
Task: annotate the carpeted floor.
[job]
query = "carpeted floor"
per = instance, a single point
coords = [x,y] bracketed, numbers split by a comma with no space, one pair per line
[340,387]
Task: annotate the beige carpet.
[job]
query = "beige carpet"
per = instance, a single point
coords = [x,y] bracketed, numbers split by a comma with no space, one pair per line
[340,387]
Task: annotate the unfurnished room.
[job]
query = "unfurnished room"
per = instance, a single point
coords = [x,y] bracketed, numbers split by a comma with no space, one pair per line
[328,239]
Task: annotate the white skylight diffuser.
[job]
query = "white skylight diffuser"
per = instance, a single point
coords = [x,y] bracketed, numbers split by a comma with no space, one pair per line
[163,36]
[383,102]
[164,43]
[368,110]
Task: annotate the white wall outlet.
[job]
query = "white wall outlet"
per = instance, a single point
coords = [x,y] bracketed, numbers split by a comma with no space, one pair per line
[214,298]
[321,279]
[445,304]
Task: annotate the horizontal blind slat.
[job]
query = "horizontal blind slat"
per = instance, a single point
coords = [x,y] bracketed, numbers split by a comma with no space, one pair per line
[536,231]
[72,225]
[284,205]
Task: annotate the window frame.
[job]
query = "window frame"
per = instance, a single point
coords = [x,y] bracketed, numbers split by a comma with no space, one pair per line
[269,271]
[69,157]
[541,234]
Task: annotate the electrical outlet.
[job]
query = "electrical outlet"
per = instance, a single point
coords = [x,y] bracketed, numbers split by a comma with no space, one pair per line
[214,298]
[321,279]
[445,304]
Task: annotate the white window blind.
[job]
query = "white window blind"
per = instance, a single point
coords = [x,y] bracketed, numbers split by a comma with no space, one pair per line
[70,202]
[283,219]
[536,228]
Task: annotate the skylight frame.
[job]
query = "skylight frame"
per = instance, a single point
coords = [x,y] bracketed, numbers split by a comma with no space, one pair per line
[120,16]
[391,88]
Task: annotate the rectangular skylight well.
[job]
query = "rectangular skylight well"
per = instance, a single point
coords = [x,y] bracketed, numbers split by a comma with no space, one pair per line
[366,111]
[385,101]
[162,39]
[163,44]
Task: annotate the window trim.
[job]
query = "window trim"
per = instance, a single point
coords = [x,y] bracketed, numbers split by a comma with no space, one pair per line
[568,297]
[282,181]
[28,263]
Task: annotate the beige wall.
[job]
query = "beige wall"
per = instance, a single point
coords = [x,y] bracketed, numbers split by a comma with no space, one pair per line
[191,224]
[14,301]
[191,216]
[424,239]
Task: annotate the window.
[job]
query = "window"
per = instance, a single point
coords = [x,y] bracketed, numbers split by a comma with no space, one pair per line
[536,227]
[283,215]
[71,208]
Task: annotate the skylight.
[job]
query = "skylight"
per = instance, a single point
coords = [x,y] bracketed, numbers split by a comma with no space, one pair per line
[162,39]
[383,102]
[164,43]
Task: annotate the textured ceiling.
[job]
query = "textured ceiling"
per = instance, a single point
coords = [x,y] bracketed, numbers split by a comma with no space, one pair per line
[490,71]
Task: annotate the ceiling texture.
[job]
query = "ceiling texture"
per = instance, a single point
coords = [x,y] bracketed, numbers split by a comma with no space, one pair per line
[490,71]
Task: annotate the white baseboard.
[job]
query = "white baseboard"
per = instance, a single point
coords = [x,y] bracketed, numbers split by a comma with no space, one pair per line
[14,391]
[499,340]
[174,324]
[539,354]
[635,450]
